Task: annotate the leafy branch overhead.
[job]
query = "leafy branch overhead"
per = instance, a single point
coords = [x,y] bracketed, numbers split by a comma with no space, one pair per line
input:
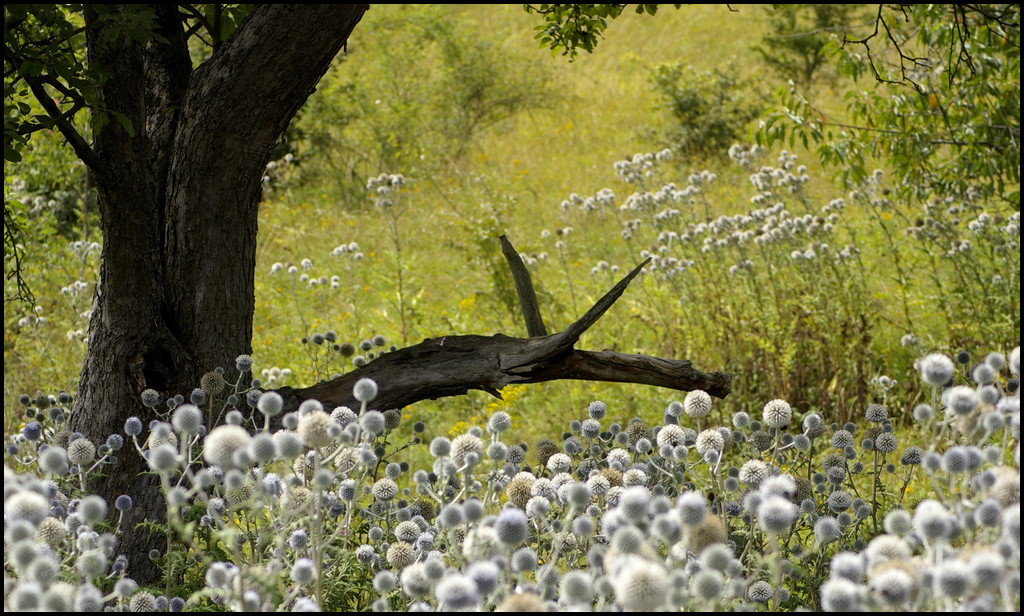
[49,80]
[943,109]
[571,27]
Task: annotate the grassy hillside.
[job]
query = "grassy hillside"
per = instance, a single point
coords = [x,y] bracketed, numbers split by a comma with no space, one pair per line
[396,104]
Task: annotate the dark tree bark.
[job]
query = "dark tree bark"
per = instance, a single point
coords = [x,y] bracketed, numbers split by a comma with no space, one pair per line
[178,185]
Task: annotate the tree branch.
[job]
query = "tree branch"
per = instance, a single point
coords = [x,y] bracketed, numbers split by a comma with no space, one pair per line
[524,289]
[78,143]
[454,365]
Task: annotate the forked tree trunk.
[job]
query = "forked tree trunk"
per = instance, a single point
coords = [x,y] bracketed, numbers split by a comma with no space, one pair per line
[178,166]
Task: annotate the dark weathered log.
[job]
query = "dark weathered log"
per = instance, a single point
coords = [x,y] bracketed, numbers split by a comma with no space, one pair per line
[453,365]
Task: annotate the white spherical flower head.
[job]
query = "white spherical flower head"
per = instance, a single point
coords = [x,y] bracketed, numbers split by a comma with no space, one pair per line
[314,429]
[187,418]
[697,404]
[775,515]
[777,414]
[365,390]
[936,369]
[559,463]
[457,592]
[960,400]
[270,403]
[81,451]
[641,586]
[464,446]
[26,505]
[223,442]
[753,472]
[671,435]
[710,443]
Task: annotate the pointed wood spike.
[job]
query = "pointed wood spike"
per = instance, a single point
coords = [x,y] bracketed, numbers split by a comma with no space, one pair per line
[524,289]
[568,337]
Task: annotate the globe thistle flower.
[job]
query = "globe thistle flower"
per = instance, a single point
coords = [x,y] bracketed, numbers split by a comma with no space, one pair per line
[932,522]
[717,557]
[464,446]
[314,429]
[826,530]
[485,575]
[384,582]
[936,369]
[952,579]
[91,564]
[597,409]
[289,444]
[813,425]
[886,442]
[985,569]
[54,460]
[482,543]
[637,430]
[671,436]
[779,485]
[692,507]
[575,588]
[583,526]
[457,592]
[51,532]
[842,595]
[842,439]
[876,413]
[1006,487]
[753,472]
[26,505]
[374,422]
[634,503]
[81,452]
[212,383]
[697,404]
[516,455]
[559,463]
[983,374]
[707,585]
[893,586]
[365,390]
[912,456]
[519,491]
[223,442]
[761,440]
[760,592]
[499,422]
[710,442]
[400,555]
[777,413]
[960,400]
[142,602]
[163,458]
[270,403]
[511,526]
[303,572]
[923,412]
[641,586]
[775,515]
[385,489]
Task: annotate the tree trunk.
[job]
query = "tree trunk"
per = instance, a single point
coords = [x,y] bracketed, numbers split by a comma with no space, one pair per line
[181,154]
